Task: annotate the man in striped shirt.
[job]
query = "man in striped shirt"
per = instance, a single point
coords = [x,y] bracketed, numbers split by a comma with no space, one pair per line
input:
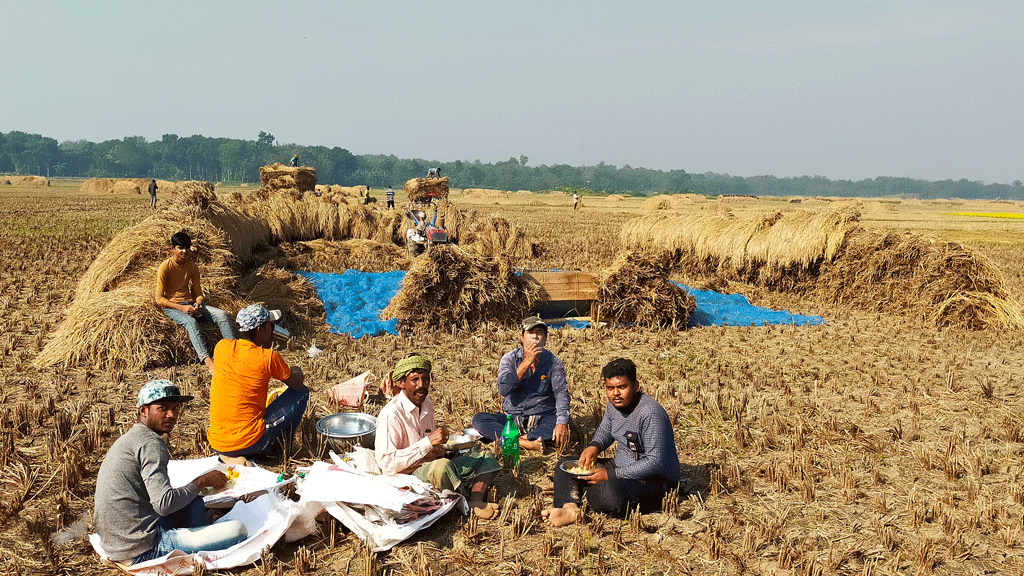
[645,465]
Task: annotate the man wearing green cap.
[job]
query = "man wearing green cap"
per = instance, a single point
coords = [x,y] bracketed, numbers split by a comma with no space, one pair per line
[409,441]
[139,516]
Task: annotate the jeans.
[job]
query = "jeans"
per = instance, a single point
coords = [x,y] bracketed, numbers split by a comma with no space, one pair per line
[188,531]
[281,418]
[490,425]
[613,496]
[191,324]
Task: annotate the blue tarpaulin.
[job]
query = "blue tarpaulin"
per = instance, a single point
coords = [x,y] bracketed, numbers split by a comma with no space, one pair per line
[353,301]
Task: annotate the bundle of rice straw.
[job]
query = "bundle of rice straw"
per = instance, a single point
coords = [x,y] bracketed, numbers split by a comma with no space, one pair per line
[943,282]
[636,290]
[829,253]
[278,176]
[279,289]
[496,236]
[29,181]
[449,287]
[425,189]
[484,193]
[335,257]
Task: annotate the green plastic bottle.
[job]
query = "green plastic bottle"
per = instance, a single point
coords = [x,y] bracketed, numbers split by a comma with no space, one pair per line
[510,441]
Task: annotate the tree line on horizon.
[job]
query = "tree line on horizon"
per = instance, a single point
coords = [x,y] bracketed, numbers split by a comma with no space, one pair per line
[229,159]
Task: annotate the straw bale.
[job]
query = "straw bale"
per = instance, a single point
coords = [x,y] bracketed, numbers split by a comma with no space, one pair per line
[653,203]
[911,202]
[796,199]
[422,189]
[449,287]
[636,290]
[279,289]
[29,181]
[693,198]
[737,198]
[125,187]
[334,256]
[524,193]
[494,236]
[615,197]
[556,193]
[278,176]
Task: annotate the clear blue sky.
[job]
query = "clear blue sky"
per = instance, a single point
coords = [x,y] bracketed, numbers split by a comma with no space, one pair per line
[929,90]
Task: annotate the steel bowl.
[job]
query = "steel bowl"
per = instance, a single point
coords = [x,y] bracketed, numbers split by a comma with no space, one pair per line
[346,429]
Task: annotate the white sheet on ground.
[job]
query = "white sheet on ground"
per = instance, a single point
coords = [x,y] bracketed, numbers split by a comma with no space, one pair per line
[267,518]
[250,480]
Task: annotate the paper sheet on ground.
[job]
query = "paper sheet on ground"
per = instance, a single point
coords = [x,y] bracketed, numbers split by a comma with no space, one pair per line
[267,519]
[250,480]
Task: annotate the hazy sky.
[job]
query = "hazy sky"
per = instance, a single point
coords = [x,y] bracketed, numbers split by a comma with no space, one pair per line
[929,90]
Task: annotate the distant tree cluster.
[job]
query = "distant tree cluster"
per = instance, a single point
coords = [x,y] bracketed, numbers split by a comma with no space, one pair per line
[228,159]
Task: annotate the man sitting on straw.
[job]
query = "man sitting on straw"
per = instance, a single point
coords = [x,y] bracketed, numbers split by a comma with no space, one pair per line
[241,422]
[645,466]
[138,515]
[434,172]
[409,441]
[179,293]
[532,381]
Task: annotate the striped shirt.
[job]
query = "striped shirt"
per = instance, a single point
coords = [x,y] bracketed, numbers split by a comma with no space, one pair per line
[656,452]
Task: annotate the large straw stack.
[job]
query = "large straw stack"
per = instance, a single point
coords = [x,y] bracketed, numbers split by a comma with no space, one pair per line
[334,256]
[829,253]
[423,189]
[494,236]
[636,290]
[449,287]
[278,177]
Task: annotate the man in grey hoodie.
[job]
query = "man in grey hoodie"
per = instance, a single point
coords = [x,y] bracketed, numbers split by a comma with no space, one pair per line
[138,515]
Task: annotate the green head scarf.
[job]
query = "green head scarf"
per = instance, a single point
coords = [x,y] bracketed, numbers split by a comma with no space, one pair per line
[406,365]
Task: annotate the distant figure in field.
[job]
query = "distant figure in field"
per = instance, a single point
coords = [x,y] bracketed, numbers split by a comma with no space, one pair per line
[295,160]
[152,193]
[179,293]
[434,172]
[390,194]
[575,201]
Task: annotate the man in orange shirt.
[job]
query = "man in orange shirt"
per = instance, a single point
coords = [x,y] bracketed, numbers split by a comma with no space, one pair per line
[179,293]
[241,423]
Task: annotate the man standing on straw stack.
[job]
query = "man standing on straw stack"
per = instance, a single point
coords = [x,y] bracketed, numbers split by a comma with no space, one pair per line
[532,380]
[241,423]
[179,293]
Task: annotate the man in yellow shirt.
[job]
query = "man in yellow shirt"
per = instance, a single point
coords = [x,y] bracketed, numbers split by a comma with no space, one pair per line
[179,293]
[241,423]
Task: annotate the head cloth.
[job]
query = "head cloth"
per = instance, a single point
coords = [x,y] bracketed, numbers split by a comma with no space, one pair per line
[406,365]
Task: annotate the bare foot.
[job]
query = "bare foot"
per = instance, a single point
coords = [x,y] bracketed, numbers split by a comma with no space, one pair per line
[209,364]
[537,444]
[484,510]
[561,516]
[548,489]
[235,460]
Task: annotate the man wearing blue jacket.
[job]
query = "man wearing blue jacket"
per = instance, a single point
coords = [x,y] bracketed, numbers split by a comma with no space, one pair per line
[532,381]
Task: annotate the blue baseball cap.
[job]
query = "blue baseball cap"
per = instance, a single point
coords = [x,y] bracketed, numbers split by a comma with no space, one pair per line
[161,391]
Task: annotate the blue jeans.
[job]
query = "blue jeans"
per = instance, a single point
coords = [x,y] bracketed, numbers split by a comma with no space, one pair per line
[281,418]
[490,425]
[187,530]
[191,324]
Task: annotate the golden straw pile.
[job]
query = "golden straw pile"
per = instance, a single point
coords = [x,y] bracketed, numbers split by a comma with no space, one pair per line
[494,236]
[280,177]
[27,181]
[636,290]
[829,252]
[334,256]
[449,287]
[422,189]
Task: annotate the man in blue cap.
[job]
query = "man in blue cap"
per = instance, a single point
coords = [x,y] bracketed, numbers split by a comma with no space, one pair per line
[138,515]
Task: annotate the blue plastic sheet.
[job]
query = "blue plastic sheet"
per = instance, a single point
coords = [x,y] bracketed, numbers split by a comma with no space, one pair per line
[353,301]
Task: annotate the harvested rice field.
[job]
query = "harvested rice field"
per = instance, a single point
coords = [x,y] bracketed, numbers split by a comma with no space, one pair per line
[877,443]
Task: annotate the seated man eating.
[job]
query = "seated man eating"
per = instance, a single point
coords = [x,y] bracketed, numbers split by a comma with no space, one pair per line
[241,422]
[138,515]
[536,392]
[409,441]
[645,466]
[179,293]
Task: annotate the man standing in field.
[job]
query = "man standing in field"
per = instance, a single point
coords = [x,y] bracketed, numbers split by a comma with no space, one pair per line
[138,515]
[152,193]
[409,441]
[575,201]
[179,293]
[295,160]
[241,423]
[645,466]
[390,194]
[532,381]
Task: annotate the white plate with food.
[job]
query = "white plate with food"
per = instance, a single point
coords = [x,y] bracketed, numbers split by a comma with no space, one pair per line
[573,468]
[462,440]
